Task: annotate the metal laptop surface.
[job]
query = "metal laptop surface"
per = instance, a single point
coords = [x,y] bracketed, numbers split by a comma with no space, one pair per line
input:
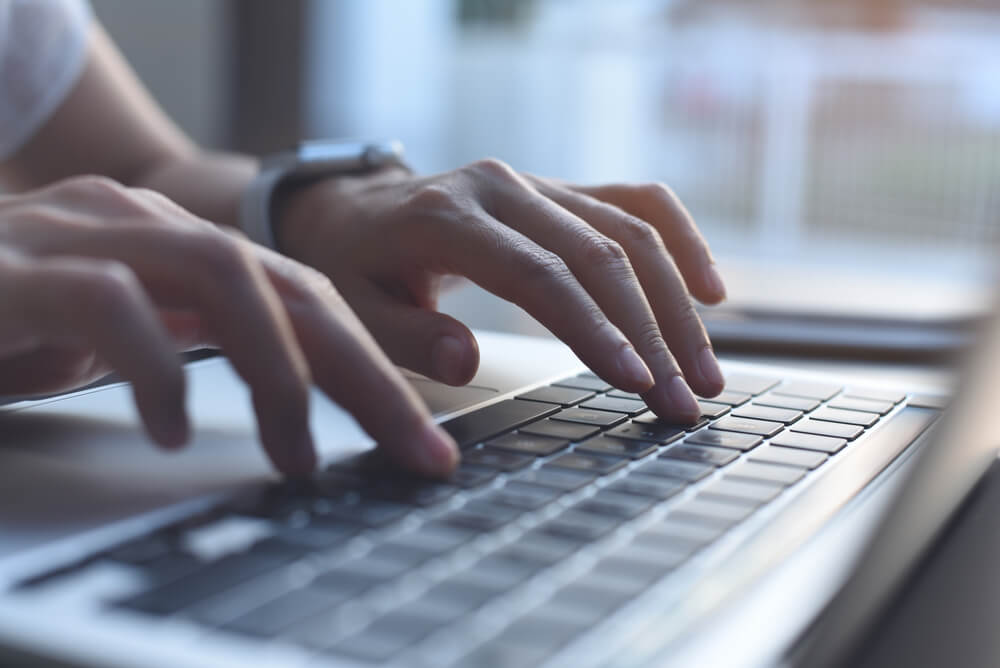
[77,478]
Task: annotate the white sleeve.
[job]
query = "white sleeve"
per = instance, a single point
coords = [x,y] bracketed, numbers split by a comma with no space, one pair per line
[43,47]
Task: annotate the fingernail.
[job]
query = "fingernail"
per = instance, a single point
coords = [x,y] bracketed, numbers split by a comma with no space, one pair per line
[714,281]
[634,369]
[682,399]
[437,451]
[446,359]
[708,366]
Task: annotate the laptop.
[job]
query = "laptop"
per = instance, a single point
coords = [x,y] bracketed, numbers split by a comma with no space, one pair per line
[578,530]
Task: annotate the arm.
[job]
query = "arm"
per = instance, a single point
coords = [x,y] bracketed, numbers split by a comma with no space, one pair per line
[110,125]
[609,269]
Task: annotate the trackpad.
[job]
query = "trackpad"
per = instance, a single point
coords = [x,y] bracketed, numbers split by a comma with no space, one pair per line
[443,398]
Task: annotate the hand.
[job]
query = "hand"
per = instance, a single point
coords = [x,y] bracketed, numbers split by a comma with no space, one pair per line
[608,269]
[95,276]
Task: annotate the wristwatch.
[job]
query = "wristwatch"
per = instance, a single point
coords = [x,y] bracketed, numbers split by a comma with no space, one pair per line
[311,161]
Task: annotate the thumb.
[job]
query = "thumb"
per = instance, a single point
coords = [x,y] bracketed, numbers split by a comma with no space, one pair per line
[430,343]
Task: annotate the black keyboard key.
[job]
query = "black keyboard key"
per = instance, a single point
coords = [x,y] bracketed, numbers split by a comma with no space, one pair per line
[501,573]
[276,615]
[749,383]
[686,471]
[588,596]
[822,428]
[825,444]
[786,401]
[772,473]
[528,444]
[616,447]
[772,454]
[744,491]
[846,417]
[367,512]
[319,536]
[716,514]
[433,537]
[865,405]
[747,426]
[562,396]
[732,398]
[575,525]
[633,569]
[783,415]
[562,479]
[461,596]
[479,516]
[213,578]
[584,382]
[499,653]
[590,417]
[875,394]
[809,390]
[712,410]
[496,459]
[539,548]
[523,495]
[347,582]
[469,476]
[589,463]
[650,486]
[386,637]
[614,405]
[411,491]
[571,431]
[651,432]
[725,439]
[142,550]
[621,394]
[676,537]
[538,632]
[703,454]
[614,504]
[493,420]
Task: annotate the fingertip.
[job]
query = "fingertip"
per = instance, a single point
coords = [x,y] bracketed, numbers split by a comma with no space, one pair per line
[455,360]
[715,288]
[438,455]
[634,371]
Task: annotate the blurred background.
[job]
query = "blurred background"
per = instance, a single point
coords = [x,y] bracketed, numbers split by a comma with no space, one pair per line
[839,155]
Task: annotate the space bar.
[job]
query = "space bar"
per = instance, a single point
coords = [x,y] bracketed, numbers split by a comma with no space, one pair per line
[477,426]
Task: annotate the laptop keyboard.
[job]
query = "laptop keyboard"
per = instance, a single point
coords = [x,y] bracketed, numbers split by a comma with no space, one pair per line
[570,500]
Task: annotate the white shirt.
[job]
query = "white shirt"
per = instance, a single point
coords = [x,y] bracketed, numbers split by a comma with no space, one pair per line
[43,47]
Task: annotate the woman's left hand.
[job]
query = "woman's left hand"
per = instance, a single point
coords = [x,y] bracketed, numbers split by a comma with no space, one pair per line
[608,269]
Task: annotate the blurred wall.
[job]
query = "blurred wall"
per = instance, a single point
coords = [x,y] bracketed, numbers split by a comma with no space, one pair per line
[182,50]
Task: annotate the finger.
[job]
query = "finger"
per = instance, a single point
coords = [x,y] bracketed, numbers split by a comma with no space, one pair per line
[102,304]
[349,366]
[430,343]
[660,207]
[515,268]
[207,272]
[678,320]
[603,268]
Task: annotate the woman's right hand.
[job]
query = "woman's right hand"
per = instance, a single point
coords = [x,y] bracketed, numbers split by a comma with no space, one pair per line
[95,277]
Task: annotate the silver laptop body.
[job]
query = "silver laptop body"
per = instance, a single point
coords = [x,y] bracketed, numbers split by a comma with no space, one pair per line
[83,494]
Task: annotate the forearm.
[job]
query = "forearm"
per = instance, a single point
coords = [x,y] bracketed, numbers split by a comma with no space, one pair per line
[109,125]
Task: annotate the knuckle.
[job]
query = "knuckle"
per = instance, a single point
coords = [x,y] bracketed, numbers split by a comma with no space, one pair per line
[649,337]
[657,192]
[434,197]
[109,286]
[538,264]
[602,251]
[94,185]
[494,169]
[639,232]
[216,253]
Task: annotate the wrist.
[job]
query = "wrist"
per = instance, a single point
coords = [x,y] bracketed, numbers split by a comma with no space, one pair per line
[309,163]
